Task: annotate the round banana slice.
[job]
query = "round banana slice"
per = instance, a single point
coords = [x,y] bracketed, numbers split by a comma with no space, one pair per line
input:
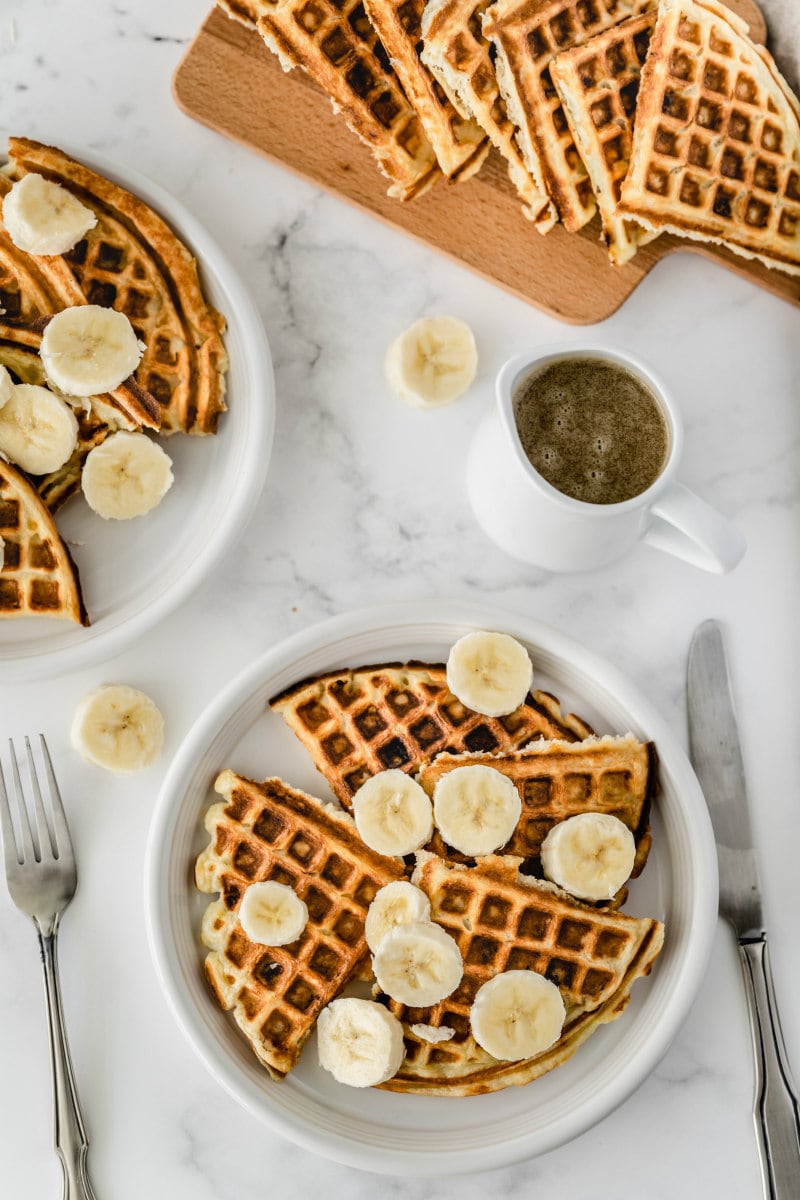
[126,476]
[87,350]
[476,809]
[516,1015]
[41,217]
[418,964]
[359,1041]
[119,728]
[433,362]
[6,386]
[392,813]
[271,914]
[589,855]
[396,903]
[38,431]
[491,673]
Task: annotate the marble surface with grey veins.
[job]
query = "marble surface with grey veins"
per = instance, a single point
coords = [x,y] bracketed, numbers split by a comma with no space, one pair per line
[365,502]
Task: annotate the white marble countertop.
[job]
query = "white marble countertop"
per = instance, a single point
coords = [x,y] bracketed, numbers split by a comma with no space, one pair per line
[365,502]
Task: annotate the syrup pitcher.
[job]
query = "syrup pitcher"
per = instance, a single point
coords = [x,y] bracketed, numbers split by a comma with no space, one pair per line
[606,441]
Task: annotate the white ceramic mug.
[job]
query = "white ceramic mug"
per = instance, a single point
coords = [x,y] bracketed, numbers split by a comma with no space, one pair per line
[532,521]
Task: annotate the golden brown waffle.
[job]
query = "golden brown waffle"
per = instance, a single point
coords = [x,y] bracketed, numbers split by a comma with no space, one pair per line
[358,722]
[502,922]
[32,287]
[459,143]
[716,140]
[246,12]
[38,576]
[556,780]
[528,34]
[335,43]
[598,84]
[270,831]
[458,54]
[133,262]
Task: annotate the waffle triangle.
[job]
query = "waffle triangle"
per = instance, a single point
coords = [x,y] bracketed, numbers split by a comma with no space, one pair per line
[716,138]
[356,723]
[133,262]
[503,921]
[271,831]
[38,576]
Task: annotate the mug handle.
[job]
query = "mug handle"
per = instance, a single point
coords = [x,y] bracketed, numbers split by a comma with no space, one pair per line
[684,525]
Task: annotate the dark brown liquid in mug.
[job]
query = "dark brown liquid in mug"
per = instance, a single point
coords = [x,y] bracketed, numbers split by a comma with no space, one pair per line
[594,430]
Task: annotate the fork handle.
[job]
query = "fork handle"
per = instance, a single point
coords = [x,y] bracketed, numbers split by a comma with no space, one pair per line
[69,1132]
[776,1113]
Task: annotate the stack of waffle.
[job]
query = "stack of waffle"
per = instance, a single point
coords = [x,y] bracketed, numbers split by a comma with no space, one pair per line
[354,724]
[133,262]
[659,114]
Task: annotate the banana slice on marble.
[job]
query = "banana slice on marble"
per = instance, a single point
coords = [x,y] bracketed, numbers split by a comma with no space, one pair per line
[41,217]
[6,386]
[589,855]
[392,813]
[476,809]
[491,673]
[126,476]
[516,1015]
[87,350]
[359,1041]
[397,903]
[271,914]
[118,727]
[38,430]
[418,964]
[432,362]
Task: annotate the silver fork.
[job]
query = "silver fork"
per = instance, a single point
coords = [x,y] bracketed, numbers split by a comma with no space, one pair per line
[42,877]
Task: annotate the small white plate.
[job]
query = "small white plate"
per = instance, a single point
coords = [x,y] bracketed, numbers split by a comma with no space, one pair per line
[135,572]
[403,1134]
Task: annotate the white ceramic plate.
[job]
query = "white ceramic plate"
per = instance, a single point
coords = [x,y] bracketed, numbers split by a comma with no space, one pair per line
[415,1135]
[135,572]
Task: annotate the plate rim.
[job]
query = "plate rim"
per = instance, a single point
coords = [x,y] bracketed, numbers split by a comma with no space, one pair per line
[405,614]
[257,447]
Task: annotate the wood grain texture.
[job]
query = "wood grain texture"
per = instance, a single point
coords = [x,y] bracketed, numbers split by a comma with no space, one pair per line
[231,82]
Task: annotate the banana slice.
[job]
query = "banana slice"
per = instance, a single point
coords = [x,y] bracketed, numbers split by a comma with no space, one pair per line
[433,362]
[6,386]
[41,217]
[271,914]
[397,903]
[418,964]
[87,350]
[359,1041]
[38,431]
[476,809]
[433,1033]
[119,728]
[126,476]
[392,813]
[589,855]
[516,1015]
[491,673]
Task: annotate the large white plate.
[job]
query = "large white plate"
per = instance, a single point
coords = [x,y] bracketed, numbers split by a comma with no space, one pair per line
[135,572]
[403,1134]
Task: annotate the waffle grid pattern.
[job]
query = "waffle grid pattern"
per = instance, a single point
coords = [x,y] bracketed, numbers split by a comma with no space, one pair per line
[501,924]
[334,41]
[599,84]
[358,723]
[528,37]
[718,149]
[456,51]
[270,831]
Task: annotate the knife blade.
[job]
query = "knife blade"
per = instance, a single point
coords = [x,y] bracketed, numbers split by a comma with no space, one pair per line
[717,760]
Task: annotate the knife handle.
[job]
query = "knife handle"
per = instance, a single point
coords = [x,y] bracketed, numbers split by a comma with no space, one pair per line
[776,1113]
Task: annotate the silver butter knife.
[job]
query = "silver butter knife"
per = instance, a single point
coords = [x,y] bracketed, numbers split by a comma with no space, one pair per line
[715,754]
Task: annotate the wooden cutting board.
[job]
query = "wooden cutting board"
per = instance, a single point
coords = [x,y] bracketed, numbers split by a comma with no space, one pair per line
[231,82]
